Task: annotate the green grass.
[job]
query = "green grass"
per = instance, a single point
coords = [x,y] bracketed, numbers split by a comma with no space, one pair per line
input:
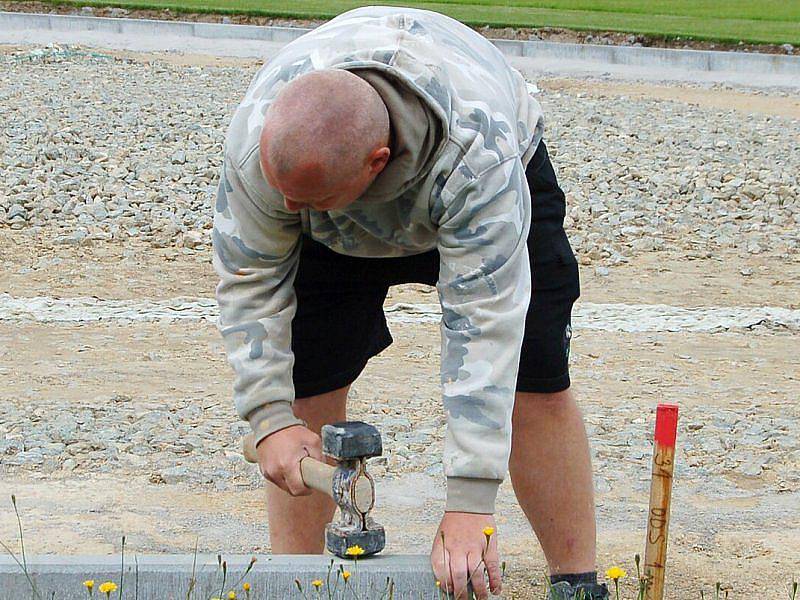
[752,21]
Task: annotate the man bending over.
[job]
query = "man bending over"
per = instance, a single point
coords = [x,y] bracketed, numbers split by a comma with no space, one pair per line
[392,146]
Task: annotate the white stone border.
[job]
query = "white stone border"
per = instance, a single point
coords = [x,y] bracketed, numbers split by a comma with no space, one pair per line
[627,318]
[168,576]
[693,60]
[20,21]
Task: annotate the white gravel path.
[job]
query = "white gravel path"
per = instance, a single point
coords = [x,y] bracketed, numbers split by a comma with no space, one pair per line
[629,318]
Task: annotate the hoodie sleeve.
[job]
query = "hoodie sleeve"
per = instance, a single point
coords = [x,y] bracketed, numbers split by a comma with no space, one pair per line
[256,253]
[484,288]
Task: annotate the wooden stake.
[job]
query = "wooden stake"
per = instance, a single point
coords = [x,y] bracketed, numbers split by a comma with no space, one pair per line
[655,553]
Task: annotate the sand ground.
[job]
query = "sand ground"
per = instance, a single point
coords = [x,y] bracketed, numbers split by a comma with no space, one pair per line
[727,527]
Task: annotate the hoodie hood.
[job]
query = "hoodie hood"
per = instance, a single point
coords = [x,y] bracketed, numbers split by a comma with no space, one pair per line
[417,133]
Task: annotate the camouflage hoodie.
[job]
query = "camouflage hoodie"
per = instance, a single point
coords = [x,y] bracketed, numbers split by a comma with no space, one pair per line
[467,127]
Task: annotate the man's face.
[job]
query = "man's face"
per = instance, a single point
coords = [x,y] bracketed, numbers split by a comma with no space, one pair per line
[306,188]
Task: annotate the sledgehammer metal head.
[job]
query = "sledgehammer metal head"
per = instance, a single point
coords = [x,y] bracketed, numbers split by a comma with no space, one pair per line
[351,443]
[351,440]
[348,483]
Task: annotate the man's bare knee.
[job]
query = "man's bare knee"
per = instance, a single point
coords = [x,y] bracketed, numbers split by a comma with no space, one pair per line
[537,404]
[322,409]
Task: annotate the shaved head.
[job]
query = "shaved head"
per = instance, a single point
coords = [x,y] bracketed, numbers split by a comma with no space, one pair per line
[325,139]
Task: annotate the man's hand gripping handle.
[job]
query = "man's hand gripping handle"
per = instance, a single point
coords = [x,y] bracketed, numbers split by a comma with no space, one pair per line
[317,475]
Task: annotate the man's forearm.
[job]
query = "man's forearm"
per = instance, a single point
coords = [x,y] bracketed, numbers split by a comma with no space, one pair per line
[256,253]
[484,289]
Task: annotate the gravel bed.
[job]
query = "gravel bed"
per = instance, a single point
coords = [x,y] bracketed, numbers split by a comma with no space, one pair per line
[192,441]
[101,147]
[97,147]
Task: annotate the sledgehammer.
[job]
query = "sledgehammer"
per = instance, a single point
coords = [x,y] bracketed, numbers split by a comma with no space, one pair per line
[348,483]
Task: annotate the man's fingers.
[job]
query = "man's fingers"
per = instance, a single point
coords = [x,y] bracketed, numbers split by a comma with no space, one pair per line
[315,450]
[468,559]
[495,576]
[294,480]
[440,561]
[474,563]
[275,478]
[288,478]
[280,453]
[458,574]
[438,565]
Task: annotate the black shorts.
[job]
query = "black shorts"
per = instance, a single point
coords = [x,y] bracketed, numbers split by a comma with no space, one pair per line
[340,324]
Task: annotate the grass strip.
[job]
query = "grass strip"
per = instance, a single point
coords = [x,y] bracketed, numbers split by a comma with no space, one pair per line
[515,13]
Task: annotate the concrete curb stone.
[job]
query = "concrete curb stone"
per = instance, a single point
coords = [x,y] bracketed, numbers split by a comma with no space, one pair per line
[162,577]
[695,60]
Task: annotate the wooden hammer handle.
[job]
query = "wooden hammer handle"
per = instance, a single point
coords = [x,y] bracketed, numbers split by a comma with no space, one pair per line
[316,475]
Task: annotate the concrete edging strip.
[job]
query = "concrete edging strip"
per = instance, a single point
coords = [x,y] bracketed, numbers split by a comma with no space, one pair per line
[693,60]
[168,576]
[14,20]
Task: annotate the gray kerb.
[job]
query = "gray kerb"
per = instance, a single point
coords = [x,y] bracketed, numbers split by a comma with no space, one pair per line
[692,60]
[168,576]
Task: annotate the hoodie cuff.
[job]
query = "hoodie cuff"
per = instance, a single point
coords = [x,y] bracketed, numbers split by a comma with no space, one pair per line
[270,418]
[471,495]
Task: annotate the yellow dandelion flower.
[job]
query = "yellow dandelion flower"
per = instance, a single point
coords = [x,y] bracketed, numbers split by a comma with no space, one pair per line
[345,575]
[615,573]
[488,532]
[231,595]
[438,583]
[89,584]
[246,586]
[108,587]
[317,583]
[354,551]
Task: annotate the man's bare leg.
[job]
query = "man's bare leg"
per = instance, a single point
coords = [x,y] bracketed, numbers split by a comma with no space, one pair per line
[297,525]
[551,472]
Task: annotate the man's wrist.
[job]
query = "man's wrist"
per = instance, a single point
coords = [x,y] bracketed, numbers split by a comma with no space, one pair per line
[470,495]
[270,418]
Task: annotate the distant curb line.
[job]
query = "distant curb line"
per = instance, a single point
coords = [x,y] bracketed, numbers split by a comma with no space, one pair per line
[691,60]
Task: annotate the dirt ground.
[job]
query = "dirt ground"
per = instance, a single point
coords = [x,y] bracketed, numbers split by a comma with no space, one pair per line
[86,513]
[34,265]
[742,530]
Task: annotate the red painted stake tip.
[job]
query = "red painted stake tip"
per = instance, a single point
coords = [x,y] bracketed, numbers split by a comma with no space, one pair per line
[666,424]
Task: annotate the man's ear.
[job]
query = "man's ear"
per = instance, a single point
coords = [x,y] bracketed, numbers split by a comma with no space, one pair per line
[378,160]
